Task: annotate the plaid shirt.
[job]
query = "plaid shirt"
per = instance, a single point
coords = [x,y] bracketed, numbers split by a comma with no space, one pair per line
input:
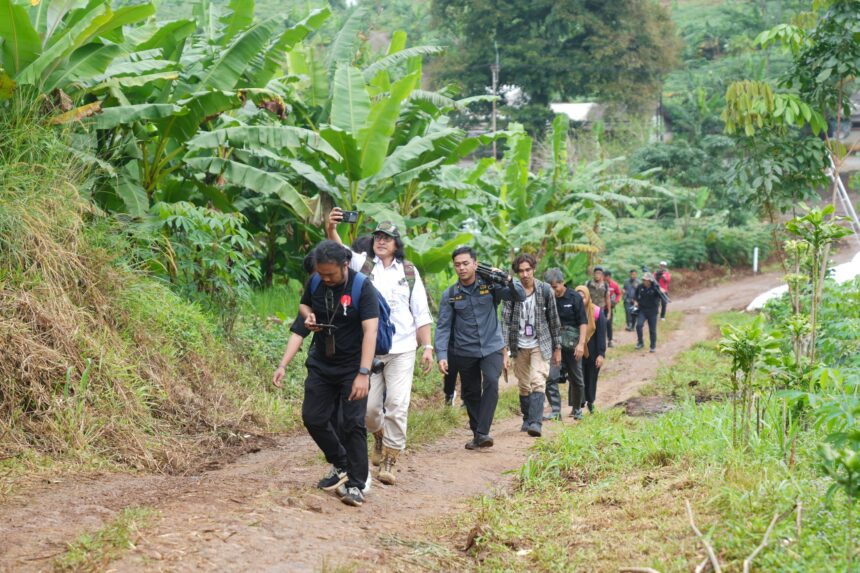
[547,324]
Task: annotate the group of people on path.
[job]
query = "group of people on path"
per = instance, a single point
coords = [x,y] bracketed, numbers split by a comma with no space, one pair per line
[368,310]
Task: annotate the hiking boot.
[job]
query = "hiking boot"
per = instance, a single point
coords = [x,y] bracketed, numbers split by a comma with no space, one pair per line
[386,472]
[376,452]
[472,444]
[534,430]
[333,479]
[552,417]
[350,495]
[639,346]
[484,441]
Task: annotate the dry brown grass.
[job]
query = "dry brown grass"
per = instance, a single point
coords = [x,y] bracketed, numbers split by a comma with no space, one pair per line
[85,375]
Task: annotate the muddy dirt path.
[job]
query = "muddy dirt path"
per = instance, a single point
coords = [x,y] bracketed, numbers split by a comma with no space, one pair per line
[262,513]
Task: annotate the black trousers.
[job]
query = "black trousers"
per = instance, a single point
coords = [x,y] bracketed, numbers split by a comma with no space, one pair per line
[663,305]
[649,316]
[450,384]
[590,372]
[327,389]
[609,322]
[479,384]
[572,370]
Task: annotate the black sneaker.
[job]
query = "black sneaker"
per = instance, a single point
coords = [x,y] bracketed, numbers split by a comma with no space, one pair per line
[484,441]
[653,350]
[350,495]
[472,444]
[640,346]
[333,479]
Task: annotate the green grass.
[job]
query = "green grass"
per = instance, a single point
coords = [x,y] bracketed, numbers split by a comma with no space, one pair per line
[94,551]
[280,301]
[610,491]
[673,322]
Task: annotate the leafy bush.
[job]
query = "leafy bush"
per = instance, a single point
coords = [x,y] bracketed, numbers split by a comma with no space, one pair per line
[207,251]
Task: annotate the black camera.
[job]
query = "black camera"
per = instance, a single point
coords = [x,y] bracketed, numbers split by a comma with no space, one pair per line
[350,217]
[377,366]
[493,275]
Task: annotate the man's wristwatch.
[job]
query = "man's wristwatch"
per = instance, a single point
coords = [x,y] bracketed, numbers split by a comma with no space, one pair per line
[365,371]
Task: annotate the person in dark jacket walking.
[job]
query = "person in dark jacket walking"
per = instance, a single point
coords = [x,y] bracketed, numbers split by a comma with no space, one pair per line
[629,288]
[574,333]
[648,299]
[595,349]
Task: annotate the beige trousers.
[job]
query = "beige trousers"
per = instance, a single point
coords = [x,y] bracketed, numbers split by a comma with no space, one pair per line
[531,370]
[395,384]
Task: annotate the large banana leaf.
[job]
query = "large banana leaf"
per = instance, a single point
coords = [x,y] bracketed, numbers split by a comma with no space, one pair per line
[393,60]
[347,147]
[275,57]
[350,104]
[240,18]
[124,16]
[345,44]
[376,135]
[224,73]
[85,63]
[138,67]
[69,40]
[126,114]
[432,254]
[21,43]
[275,137]
[170,38]
[257,180]
[409,157]
[516,178]
[182,126]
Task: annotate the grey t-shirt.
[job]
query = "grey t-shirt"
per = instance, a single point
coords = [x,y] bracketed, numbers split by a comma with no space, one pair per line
[527,335]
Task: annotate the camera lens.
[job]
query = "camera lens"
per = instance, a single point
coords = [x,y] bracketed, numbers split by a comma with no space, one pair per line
[377,366]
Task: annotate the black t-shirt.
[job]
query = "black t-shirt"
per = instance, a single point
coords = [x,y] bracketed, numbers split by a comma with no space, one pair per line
[571,310]
[348,335]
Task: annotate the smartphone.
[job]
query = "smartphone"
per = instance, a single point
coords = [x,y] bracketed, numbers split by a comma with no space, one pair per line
[329,326]
[350,217]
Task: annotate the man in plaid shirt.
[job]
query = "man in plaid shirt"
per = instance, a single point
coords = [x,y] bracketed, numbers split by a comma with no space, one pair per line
[532,331]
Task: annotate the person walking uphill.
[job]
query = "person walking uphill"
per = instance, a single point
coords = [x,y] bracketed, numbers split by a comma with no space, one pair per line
[629,288]
[664,278]
[399,283]
[468,319]
[598,289]
[648,299]
[342,309]
[574,334]
[595,350]
[532,331]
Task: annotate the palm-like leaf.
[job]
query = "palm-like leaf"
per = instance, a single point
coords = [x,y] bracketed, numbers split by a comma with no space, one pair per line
[275,137]
[350,104]
[255,179]
[21,44]
[345,44]
[391,61]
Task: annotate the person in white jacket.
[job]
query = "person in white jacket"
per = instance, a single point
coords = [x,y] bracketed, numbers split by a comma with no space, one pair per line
[399,283]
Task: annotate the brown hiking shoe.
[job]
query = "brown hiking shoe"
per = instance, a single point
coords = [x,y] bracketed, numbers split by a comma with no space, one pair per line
[386,472]
[376,452]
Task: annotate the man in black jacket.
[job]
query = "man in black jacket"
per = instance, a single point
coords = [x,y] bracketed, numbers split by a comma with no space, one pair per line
[648,300]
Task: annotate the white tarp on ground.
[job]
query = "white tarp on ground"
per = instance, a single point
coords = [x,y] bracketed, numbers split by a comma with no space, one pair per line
[841,274]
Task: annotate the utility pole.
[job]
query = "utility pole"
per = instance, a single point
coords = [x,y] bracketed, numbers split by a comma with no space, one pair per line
[494,68]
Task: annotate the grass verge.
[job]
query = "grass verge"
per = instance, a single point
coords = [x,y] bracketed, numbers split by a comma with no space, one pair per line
[609,493]
[94,551]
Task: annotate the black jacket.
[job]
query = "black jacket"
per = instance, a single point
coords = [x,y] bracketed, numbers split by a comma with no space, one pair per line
[648,298]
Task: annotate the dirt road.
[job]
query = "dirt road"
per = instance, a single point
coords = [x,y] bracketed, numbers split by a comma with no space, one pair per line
[261,513]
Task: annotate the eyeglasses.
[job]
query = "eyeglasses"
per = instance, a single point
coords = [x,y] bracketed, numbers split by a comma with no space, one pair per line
[382,238]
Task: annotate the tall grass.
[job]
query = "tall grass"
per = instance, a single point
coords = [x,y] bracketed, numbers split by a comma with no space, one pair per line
[101,364]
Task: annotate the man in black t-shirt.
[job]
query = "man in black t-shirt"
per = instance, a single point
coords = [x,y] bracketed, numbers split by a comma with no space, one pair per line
[339,368]
[574,329]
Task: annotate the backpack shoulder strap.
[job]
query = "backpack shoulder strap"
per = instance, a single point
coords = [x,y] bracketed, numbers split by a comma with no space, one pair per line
[315,282]
[355,293]
[367,267]
[409,271]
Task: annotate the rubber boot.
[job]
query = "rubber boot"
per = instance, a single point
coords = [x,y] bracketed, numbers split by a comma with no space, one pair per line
[536,400]
[386,471]
[524,408]
[553,396]
[376,453]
